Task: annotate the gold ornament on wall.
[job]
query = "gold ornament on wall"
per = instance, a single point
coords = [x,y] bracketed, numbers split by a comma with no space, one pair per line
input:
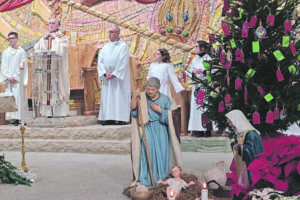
[178,19]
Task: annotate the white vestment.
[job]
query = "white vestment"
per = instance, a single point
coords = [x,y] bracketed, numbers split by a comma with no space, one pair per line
[165,73]
[195,123]
[115,93]
[11,58]
[60,101]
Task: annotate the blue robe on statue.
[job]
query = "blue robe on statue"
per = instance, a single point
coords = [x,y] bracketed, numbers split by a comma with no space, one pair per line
[158,142]
[252,146]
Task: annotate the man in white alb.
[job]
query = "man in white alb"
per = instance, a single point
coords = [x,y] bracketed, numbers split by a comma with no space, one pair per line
[12,58]
[59,44]
[113,71]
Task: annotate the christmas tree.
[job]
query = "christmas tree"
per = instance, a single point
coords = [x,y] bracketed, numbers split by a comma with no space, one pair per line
[255,66]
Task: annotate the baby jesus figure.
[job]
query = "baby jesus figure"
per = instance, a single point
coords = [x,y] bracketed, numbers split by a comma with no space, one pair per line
[175,184]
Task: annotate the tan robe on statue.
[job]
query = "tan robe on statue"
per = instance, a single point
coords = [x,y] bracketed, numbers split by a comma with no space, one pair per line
[61,108]
[175,157]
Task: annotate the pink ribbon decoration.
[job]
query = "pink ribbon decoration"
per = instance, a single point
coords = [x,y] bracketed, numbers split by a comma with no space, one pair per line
[211,38]
[227,100]
[256,118]
[270,117]
[184,77]
[246,96]
[253,21]
[238,84]
[200,97]
[245,30]
[226,28]
[222,57]
[221,107]
[226,5]
[260,90]
[279,75]
[287,26]
[292,47]
[270,20]
[276,113]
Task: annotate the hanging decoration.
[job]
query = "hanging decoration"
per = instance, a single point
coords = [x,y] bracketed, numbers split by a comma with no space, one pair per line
[253,21]
[238,84]
[260,31]
[245,29]
[256,117]
[283,114]
[221,107]
[270,117]
[270,20]
[200,97]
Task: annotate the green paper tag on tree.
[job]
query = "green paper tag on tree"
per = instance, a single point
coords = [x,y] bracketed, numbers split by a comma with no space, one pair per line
[268,97]
[214,96]
[240,13]
[206,65]
[278,55]
[299,57]
[286,41]
[298,107]
[233,45]
[250,73]
[292,69]
[255,47]
[208,77]
[230,22]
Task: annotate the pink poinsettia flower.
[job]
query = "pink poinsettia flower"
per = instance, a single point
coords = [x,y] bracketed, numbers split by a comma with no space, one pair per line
[281,185]
[290,167]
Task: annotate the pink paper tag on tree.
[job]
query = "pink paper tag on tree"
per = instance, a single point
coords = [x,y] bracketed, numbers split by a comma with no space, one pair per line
[226,28]
[245,30]
[287,26]
[276,113]
[253,21]
[238,84]
[256,118]
[279,75]
[292,47]
[227,100]
[270,117]
[200,97]
[221,107]
[227,64]
[226,5]
[261,90]
[270,20]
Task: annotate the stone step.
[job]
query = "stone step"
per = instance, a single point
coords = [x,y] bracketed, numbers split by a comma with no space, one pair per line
[93,132]
[74,146]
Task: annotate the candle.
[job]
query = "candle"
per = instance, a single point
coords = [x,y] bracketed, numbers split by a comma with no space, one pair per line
[204,192]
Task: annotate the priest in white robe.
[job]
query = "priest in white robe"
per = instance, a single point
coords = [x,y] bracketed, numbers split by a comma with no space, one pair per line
[113,71]
[59,105]
[12,58]
[163,69]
